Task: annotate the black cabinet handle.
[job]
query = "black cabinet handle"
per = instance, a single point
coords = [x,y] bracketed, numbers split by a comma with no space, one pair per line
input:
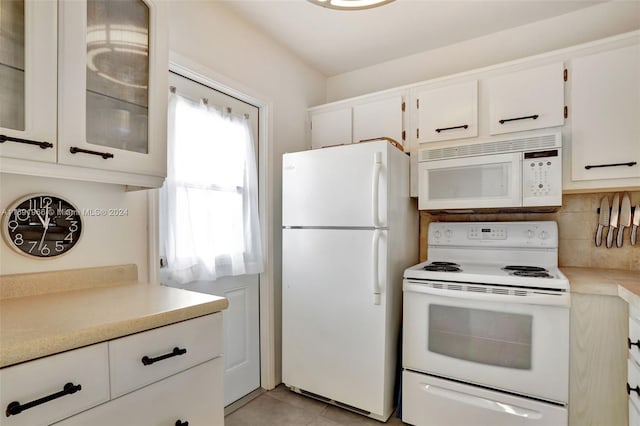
[43,145]
[105,155]
[181,423]
[527,117]
[16,408]
[630,163]
[630,343]
[630,389]
[176,351]
[464,126]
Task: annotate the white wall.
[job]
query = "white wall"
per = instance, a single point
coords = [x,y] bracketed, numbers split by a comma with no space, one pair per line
[105,240]
[208,34]
[584,25]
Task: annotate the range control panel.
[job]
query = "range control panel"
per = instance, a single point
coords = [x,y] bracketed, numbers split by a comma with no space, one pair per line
[542,178]
[494,234]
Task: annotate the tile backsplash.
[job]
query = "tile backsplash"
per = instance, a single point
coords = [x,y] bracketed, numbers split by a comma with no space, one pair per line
[577,223]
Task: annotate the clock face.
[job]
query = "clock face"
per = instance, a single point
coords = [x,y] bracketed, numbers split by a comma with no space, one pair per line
[42,226]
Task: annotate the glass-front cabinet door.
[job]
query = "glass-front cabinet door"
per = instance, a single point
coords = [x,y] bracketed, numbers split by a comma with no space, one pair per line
[28,79]
[113,92]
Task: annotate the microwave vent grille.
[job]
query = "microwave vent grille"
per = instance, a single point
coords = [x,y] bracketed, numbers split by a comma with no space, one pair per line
[495,147]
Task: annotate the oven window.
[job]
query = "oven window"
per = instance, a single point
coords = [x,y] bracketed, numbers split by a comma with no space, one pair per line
[485,337]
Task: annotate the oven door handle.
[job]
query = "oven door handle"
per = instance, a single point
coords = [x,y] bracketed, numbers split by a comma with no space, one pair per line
[483,403]
[531,297]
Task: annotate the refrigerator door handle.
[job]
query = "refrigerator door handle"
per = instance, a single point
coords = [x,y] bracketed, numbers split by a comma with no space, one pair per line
[375,184]
[375,261]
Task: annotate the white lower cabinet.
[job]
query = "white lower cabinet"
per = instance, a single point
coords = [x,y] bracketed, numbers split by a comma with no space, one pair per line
[170,375]
[43,391]
[193,397]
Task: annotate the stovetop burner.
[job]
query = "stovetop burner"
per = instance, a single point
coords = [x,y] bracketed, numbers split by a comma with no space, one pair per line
[524,268]
[532,274]
[442,267]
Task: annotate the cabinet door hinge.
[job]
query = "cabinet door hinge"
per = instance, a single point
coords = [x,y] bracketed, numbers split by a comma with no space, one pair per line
[566,111]
[404,135]
[403,106]
[418,133]
[566,74]
[418,103]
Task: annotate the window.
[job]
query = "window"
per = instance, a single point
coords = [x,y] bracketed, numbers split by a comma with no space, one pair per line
[209,203]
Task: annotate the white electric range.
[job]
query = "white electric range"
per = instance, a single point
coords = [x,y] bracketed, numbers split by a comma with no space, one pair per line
[486,327]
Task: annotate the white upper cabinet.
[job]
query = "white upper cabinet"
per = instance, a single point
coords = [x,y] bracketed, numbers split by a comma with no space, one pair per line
[113,85]
[358,120]
[378,119]
[527,100]
[329,128]
[444,113]
[605,116]
[28,79]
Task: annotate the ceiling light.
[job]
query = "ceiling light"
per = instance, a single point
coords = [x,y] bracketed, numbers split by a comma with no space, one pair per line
[350,4]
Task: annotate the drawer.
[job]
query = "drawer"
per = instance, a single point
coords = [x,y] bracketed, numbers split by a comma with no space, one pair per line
[634,414]
[32,381]
[165,351]
[634,332]
[193,396]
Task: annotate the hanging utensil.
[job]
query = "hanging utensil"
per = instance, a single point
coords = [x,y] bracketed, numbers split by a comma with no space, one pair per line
[613,221]
[636,223]
[625,218]
[603,220]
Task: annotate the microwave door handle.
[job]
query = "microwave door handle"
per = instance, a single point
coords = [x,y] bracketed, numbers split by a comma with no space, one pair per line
[483,403]
[375,185]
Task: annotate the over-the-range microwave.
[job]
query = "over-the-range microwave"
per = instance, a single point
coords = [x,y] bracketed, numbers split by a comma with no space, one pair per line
[520,172]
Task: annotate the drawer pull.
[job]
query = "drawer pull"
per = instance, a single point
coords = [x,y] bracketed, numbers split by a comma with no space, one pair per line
[630,343]
[630,164]
[630,389]
[528,117]
[16,408]
[181,423]
[176,351]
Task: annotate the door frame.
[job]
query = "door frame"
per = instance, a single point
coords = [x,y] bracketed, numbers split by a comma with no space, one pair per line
[208,77]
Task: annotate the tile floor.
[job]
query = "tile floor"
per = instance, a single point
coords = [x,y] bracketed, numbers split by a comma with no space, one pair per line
[281,407]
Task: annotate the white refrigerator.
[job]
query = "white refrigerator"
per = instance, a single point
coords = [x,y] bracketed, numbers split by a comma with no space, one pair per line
[349,231]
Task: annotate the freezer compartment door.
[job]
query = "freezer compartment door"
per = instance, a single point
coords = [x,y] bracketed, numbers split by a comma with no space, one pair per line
[343,186]
[333,333]
[430,401]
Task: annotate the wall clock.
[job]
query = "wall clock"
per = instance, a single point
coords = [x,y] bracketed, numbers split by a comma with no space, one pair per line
[42,226]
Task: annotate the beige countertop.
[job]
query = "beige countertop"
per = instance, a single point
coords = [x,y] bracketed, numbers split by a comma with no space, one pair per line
[608,282]
[37,324]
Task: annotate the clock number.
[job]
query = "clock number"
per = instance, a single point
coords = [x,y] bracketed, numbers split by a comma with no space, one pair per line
[69,237]
[74,226]
[59,246]
[22,214]
[18,239]
[45,251]
[13,225]
[33,245]
[45,202]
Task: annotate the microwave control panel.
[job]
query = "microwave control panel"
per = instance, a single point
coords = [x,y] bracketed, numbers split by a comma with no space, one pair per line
[542,178]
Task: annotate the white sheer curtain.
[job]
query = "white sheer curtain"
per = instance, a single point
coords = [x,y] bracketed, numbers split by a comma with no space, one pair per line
[209,225]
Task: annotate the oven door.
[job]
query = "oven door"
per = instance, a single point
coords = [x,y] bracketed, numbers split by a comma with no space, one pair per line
[516,343]
[472,182]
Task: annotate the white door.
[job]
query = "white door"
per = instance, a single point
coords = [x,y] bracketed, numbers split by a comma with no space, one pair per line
[331,128]
[333,334]
[241,318]
[378,119]
[338,186]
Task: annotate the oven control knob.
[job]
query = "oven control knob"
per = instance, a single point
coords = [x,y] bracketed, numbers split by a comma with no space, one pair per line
[530,234]
[437,234]
[448,233]
[544,235]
